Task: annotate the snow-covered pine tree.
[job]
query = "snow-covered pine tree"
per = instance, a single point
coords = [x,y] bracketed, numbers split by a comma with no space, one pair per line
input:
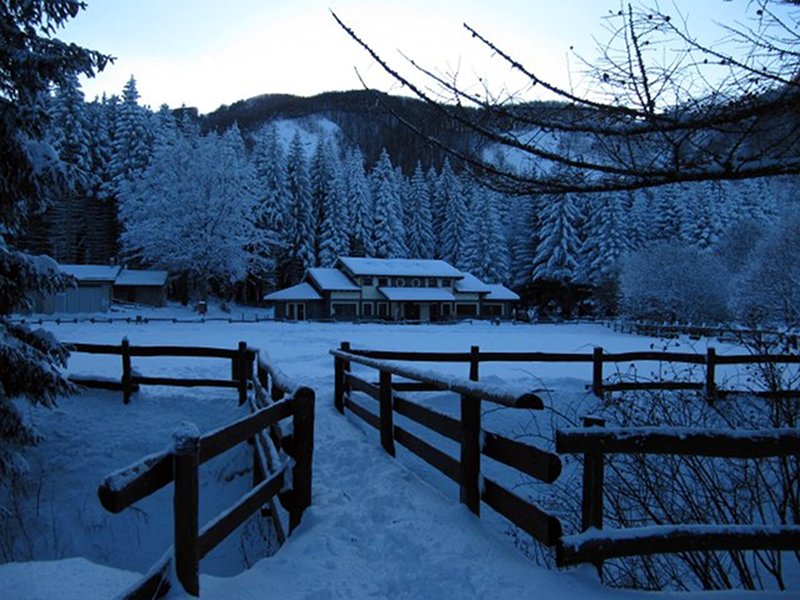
[359,198]
[558,249]
[667,213]
[274,207]
[453,230]
[388,234]
[329,206]
[300,255]
[524,240]
[32,60]
[606,239]
[101,236]
[702,224]
[419,225]
[486,252]
[132,140]
[69,134]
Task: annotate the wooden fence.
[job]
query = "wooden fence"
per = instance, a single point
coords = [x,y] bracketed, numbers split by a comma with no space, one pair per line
[466,431]
[241,367]
[593,545]
[275,399]
[596,544]
[599,358]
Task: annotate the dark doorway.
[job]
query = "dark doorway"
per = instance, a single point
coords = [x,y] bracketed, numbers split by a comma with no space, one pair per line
[411,311]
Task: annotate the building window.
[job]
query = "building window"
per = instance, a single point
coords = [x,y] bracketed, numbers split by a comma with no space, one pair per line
[343,310]
[445,283]
[415,282]
[445,310]
[383,309]
[432,282]
[383,281]
[400,282]
[366,309]
[366,281]
[467,310]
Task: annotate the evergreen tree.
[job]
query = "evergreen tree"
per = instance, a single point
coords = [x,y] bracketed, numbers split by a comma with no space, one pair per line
[101,235]
[557,252]
[388,232]
[486,250]
[359,197]
[32,60]
[329,206]
[666,213]
[131,149]
[453,232]
[301,250]
[419,226]
[274,207]
[524,240]
[606,239]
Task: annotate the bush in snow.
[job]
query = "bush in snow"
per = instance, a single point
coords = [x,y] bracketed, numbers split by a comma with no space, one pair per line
[767,289]
[670,281]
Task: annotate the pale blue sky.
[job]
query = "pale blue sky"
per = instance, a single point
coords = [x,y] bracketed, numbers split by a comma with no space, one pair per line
[206,53]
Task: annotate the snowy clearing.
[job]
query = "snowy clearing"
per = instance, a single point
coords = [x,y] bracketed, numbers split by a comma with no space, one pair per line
[376,528]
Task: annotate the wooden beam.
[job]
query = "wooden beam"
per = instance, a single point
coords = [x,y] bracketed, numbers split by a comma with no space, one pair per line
[680,441]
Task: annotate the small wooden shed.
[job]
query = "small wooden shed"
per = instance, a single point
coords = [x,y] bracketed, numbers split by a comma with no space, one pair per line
[141,287]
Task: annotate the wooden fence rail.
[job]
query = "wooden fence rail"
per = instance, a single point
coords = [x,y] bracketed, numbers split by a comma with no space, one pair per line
[466,430]
[598,359]
[596,545]
[270,407]
[241,367]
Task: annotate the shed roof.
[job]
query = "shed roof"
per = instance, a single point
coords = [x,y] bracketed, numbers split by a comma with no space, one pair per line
[422,294]
[91,272]
[500,292]
[332,280]
[403,267]
[471,285]
[301,291]
[141,277]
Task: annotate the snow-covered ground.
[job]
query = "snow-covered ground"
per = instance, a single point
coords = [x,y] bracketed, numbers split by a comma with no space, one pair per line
[377,528]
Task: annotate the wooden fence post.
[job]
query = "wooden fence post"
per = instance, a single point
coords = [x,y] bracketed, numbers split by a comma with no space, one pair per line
[470,493]
[597,371]
[339,383]
[186,457]
[240,367]
[386,416]
[303,426]
[474,363]
[592,502]
[126,371]
[711,386]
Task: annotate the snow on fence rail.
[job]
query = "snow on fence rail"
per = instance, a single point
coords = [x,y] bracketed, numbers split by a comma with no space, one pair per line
[596,545]
[281,451]
[474,441]
[599,358]
[241,367]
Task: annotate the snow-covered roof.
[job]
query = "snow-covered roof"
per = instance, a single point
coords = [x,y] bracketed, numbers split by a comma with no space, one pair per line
[500,292]
[332,279]
[402,267]
[422,294]
[301,291]
[471,285]
[91,272]
[141,277]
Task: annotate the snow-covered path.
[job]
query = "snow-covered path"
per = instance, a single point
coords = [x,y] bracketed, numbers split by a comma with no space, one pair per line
[375,530]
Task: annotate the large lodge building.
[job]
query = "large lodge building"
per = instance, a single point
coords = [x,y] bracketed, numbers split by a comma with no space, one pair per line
[391,289]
